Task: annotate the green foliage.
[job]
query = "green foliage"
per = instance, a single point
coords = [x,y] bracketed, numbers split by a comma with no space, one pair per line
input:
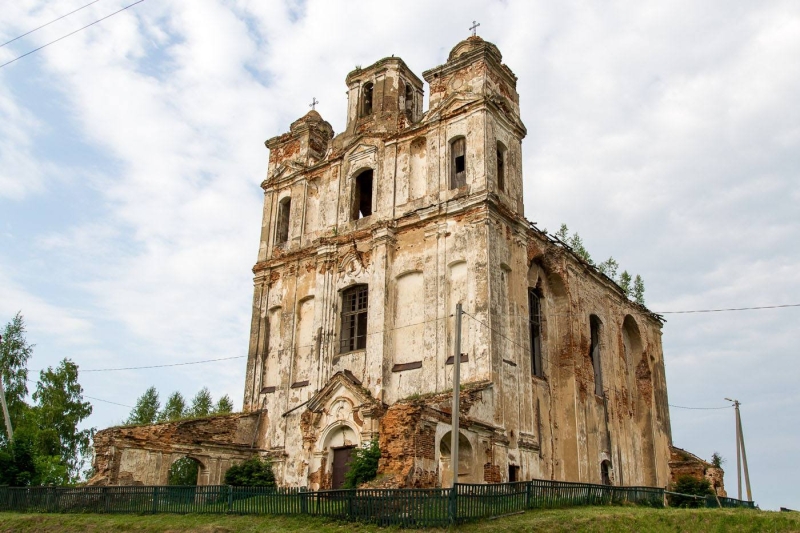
[576,243]
[174,409]
[624,282]
[17,463]
[638,290]
[146,409]
[14,354]
[254,472]
[609,267]
[690,485]
[202,403]
[363,465]
[632,287]
[717,460]
[59,410]
[563,234]
[183,472]
[224,405]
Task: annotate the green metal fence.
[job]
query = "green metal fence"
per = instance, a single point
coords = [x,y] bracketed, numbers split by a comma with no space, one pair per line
[403,507]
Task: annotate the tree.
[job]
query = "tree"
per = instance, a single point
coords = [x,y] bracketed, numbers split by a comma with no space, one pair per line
[174,409]
[717,460]
[625,283]
[14,354]
[59,410]
[254,472]
[693,486]
[224,405]
[609,267]
[202,403]
[563,233]
[363,465]
[17,463]
[146,409]
[576,243]
[638,290]
[183,472]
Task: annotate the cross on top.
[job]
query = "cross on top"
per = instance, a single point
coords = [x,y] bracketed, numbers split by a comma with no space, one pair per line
[313,104]
[474,28]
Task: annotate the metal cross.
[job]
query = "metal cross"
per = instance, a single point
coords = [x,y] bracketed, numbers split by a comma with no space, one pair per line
[474,28]
[313,104]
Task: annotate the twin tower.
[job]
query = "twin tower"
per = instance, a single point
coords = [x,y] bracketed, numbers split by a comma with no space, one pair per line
[369,240]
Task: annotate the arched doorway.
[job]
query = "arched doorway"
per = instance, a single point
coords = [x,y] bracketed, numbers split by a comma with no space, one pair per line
[339,441]
[184,471]
[466,460]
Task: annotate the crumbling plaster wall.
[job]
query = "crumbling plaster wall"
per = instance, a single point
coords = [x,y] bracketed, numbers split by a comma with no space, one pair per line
[552,425]
[683,463]
[142,455]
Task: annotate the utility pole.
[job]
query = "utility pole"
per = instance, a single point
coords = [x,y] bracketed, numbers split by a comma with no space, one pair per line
[456,395]
[741,454]
[5,407]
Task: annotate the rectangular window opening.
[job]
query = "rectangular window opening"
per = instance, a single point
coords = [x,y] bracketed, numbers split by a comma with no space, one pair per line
[354,319]
[534,311]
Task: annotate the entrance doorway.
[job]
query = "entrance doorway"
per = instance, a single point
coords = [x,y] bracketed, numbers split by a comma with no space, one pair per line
[341,458]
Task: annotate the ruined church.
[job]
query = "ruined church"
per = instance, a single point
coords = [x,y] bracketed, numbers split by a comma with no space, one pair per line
[369,240]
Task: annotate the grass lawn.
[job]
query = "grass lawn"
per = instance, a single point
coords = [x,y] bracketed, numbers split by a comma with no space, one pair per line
[588,519]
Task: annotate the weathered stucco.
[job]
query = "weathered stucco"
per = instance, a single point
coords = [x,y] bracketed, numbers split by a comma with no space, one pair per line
[423,236]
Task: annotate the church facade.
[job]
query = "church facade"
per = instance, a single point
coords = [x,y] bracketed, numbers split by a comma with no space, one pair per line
[369,240]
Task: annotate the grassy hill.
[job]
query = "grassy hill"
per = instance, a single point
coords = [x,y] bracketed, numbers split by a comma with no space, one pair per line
[587,519]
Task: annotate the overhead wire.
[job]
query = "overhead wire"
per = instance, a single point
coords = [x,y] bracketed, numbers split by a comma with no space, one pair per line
[52,21]
[71,33]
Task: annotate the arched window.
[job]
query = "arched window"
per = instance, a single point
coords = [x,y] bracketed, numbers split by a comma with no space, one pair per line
[362,195]
[354,319]
[535,320]
[458,162]
[409,100]
[594,353]
[282,224]
[501,166]
[366,99]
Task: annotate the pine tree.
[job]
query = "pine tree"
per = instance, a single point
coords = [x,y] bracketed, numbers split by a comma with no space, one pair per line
[224,405]
[146,409]
[638,290]
[174,409]
[202,403]
[625,283]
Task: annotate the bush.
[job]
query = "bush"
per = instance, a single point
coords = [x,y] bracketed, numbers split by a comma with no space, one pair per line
[363,465]
[693,486]
[255,472]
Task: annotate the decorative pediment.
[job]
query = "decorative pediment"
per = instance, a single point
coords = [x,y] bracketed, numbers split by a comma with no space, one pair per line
[452,103]
[287,169]
[341,381]
[361,151]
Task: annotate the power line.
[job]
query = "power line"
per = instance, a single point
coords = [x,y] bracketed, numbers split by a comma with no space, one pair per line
[106,401]
[701,408]
[729,309]
[72,33]
[162,366]
[43,25]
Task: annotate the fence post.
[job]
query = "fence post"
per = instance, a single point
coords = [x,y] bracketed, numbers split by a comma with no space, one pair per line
[303,501]
[230,497]
[528,494]
[155,500]
[105,499]
[453,504]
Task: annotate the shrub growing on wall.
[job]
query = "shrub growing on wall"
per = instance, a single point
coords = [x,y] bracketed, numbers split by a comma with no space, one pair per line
[363,465]
[255,472]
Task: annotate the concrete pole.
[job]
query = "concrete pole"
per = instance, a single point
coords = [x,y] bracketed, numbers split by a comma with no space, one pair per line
[744,455]
[5,407]
[738,453]
[456,395]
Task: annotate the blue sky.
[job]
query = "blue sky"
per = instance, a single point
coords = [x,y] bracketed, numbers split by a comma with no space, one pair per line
[667,134]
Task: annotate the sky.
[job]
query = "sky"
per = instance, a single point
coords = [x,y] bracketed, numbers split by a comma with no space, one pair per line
[667,134]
